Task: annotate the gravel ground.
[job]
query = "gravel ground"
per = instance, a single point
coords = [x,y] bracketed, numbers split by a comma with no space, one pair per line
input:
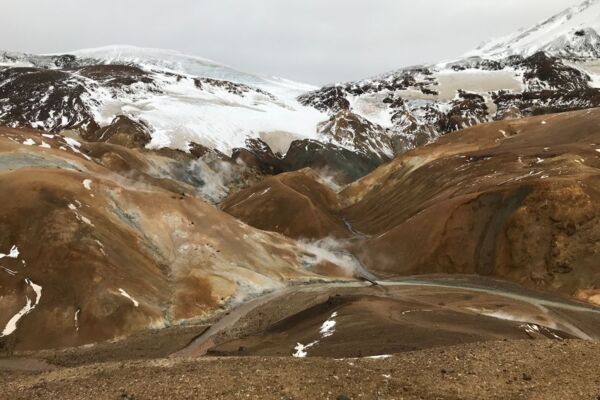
[493,370]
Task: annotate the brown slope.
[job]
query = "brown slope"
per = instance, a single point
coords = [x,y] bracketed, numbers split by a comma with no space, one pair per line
[515,199]
[548,370]
[295,204]
[376,320]
[519,200]
[172,253]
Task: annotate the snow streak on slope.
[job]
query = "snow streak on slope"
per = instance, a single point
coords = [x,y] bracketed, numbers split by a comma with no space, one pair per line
[571,33]
[11,325]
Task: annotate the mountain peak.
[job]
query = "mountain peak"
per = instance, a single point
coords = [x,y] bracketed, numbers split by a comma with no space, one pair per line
[572,33]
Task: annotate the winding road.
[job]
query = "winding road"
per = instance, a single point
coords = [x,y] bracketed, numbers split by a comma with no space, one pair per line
[207,340]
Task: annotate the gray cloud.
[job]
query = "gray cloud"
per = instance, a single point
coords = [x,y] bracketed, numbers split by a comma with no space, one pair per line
[314,41]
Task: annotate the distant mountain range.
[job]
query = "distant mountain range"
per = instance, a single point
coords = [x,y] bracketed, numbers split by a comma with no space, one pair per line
[183,100]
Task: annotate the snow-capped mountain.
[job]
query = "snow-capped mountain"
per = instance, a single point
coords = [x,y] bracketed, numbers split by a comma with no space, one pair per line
[551,67]
[572,33]
[162,60]
[165,60]
[182,99]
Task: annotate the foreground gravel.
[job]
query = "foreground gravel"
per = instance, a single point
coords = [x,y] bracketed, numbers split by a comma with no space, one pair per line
[492,370]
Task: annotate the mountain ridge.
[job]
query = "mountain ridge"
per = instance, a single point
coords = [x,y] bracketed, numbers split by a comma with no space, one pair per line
[570,33]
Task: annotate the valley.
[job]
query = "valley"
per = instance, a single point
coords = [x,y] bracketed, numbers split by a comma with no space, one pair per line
[174,227]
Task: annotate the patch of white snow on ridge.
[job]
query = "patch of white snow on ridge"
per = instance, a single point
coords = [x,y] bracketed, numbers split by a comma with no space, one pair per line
[29,142]
[87,183]
[11,326]
[327,329]
[76,319]
[301,349]
[74,145]
[13,253]
[71,142]
[125,294]
[81,218]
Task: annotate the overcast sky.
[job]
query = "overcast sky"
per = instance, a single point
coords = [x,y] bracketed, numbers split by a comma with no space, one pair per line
[314,41]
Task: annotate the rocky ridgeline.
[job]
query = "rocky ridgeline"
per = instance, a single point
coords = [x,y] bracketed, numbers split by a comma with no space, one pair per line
[361,124]
[419,114]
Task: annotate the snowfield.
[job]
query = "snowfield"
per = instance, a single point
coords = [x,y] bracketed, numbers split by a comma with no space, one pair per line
[188,99]
[573,32]
[212,116]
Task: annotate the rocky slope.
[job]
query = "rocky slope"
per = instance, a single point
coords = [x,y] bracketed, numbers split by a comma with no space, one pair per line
[514,199]
[299,202]
[110,160]
[490,339]
[179,102]
[499,370]
[413,106]
[98,241]
[548,68]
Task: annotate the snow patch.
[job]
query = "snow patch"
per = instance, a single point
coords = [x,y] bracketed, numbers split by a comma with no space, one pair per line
[87,183]
[535,328]
[326,330]
[74,145]
[76,319]
[81,218]
[125,294]
[13,253]
[301,349]
[11,326]
[570,33]
[328,327]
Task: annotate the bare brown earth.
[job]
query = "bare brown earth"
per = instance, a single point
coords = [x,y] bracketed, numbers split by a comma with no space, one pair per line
[394,317]
[434,338]
[518,200]
[496,370]
[153,239]
[515,199]
[296,204]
